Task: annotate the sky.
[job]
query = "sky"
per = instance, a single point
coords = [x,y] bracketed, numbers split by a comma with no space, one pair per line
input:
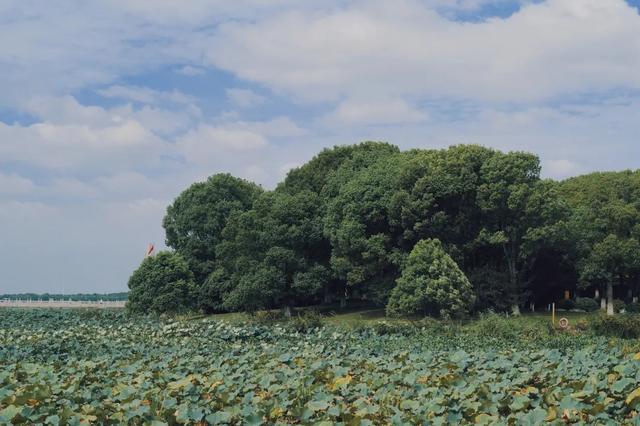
[110,108]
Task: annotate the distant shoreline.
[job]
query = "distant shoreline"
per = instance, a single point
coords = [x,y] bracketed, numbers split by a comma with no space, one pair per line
[62,304]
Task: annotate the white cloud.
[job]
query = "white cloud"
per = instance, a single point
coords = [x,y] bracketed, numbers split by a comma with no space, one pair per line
[287,167]
[79,147]
[190,70]
[14,184]
[67,110]
[382,112]
[209,142]
[404,48]
[146,95]
[279,127]
[561,168]
[73,138]
[244,98]
[243,148]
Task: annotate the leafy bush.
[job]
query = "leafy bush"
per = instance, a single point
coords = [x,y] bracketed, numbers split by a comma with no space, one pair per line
[386,328]
[267,317]
[623,325]
[162,284]
[633,308]
[496,326]
[306,321]
[619,305]
[587,304]
[431,284]
[491,292]
[582,325]
[566,304]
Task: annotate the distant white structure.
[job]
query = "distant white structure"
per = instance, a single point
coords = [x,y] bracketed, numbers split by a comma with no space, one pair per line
[100,304]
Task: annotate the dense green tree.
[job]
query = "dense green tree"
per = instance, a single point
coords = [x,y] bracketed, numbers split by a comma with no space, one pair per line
[343,225]
[613,261]
[431,284]
[519,213]
[364,253]
[276,243]
[334,166]
[162,283]
[604,231]
[195,220]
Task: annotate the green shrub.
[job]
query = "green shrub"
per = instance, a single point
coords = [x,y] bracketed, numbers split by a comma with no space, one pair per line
[491,325]
[582,325]
[626,326]
[491,293]
[431,284]
[566,304]
[162,284]
[267,317]
[619,305]
[587,304]
[633,308]
[305,321]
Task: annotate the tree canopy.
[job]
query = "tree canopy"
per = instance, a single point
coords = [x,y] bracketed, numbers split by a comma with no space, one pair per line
[344,225]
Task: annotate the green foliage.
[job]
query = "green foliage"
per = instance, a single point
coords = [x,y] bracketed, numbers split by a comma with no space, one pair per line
[68,367]
[493,326]
[342,226]
[431,284]
[162,283]
[612,260]
[619,305]
[491,291]
[587,304]
[626,326]
[269,254]
[305,321]
[633,308]
[267,317]
[566,304]
[195,220]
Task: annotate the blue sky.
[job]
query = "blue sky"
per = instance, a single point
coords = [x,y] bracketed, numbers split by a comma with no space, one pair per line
[108,109]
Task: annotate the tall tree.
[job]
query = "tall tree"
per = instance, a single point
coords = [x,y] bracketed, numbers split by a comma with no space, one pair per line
[604,228]
[276,244]
[519,212]
[195,220]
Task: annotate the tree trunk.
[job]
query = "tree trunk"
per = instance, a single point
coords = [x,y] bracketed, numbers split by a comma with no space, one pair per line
[597,295]
[287,310]
[515,309]
[610,310]
[513,277]
[327,299]
[343,298]
[603,303]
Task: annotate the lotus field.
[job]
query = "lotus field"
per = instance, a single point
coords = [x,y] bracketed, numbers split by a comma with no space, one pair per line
[100,367]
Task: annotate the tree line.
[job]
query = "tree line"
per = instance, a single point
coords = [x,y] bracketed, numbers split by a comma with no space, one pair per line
[436,232]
